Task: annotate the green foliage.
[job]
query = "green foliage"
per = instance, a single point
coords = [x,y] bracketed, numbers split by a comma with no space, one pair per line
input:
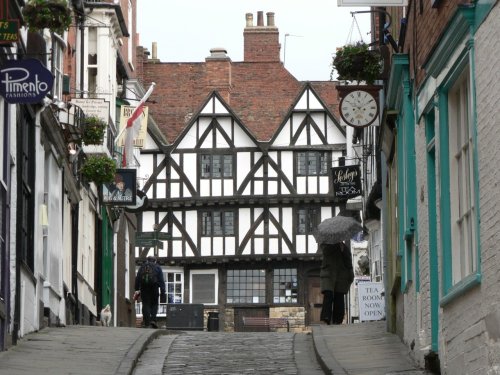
[100,169]
[355,62]
[93,130]
[52,14]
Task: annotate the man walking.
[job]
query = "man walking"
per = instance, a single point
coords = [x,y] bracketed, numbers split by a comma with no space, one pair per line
[149,278]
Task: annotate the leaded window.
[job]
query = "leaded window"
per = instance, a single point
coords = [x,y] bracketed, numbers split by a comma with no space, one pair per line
[216,166]
[217,223]
[312,163]
[308,219]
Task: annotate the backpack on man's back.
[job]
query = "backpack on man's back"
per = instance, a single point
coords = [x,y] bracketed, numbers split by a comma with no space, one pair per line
[149,276]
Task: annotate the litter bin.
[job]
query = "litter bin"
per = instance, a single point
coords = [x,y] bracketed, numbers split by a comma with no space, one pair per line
[213,321]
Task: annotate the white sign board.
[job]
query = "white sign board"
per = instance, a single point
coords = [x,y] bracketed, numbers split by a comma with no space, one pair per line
[371,301]
[372,3]
[93,107]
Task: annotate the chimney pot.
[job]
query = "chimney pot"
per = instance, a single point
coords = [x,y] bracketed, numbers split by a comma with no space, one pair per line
[270,19]
[218,53]
[249,18]
[260,18]
[154,49]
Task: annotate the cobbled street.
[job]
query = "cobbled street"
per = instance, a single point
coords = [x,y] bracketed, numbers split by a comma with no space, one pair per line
[230,353]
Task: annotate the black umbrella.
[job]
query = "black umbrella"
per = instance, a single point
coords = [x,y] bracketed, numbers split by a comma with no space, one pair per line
[336,229]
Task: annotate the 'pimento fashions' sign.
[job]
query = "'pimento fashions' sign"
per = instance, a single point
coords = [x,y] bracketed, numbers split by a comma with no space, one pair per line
[25,81]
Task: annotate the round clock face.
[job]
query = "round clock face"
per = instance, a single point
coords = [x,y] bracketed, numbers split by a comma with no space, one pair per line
[358,108]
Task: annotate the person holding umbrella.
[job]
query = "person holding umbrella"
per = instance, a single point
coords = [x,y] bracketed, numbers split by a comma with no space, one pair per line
[336,277]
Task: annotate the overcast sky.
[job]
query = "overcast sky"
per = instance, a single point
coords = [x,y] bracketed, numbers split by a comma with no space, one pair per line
[186,30]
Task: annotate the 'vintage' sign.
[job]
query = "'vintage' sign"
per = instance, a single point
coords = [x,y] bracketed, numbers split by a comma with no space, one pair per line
[346,181]
[25,81]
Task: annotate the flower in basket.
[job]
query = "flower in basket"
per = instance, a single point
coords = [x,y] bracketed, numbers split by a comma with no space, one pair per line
[93,130]
[356,62]
[100,169]
[52,14]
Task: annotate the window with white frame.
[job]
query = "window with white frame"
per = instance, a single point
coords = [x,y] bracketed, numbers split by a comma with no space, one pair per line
[204,286]
[92,62]
[174,280]
[462,183]
[58,46]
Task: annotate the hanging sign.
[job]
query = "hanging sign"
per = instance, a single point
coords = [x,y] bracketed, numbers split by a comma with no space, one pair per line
[25,81]
[9,31]
[123,190]
[346,181]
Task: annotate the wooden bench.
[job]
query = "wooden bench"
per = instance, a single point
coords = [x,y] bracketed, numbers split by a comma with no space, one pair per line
[264,322]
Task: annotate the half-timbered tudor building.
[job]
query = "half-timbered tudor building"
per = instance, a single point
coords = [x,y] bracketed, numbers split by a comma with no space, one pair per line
[241,180]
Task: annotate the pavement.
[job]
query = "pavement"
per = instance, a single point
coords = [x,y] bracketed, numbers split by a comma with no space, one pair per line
[362,349]
[354,349]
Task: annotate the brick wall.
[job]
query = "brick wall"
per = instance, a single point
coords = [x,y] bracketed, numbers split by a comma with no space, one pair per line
[425,27]
[261,43]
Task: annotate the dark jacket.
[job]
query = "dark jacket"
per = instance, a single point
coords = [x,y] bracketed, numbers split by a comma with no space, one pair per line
[336,268]
[159,277]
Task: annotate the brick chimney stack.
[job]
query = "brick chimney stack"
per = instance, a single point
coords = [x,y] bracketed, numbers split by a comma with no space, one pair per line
[261,43]
[218,69]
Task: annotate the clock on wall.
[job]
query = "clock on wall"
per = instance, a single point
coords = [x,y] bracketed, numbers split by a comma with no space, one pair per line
[358,108]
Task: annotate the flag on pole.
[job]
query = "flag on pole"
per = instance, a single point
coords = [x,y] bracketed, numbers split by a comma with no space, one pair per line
[133,127]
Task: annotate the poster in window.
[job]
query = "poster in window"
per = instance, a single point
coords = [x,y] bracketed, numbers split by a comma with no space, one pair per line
[346,181]
[122,191]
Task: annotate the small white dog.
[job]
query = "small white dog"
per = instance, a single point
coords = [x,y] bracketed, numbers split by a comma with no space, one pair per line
[106,316]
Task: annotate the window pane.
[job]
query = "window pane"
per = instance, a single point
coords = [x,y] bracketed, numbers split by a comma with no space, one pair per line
[301,220]
[228,165]
[229,223]
[217,223]
[205,166]
[324,163]
[206,224]
[217,166]
[312,164]
[301,163]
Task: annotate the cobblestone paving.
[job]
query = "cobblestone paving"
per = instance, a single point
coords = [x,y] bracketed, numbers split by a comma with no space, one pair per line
[231,354]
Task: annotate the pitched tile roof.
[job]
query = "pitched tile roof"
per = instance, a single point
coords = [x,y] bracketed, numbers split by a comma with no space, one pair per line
[261,94]
[259,90]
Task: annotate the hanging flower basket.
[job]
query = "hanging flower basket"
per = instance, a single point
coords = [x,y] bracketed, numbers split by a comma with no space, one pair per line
[99,169]
[52,14]
[93,130]
[355,62]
